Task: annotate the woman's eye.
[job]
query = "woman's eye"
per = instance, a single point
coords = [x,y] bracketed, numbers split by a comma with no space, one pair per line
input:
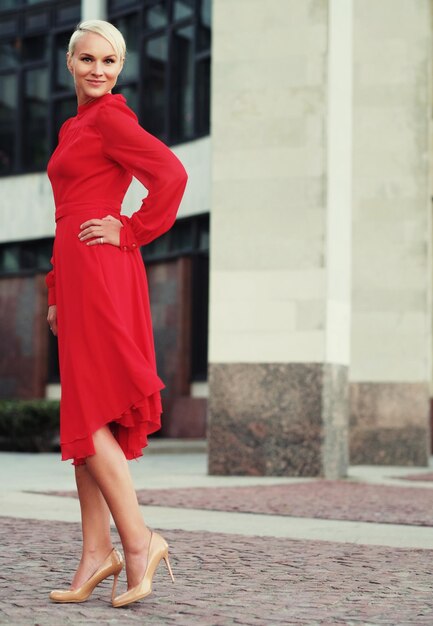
[89,59]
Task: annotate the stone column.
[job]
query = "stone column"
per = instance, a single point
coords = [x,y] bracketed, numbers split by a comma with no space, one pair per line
[281,244]
[93,10]
[391,334]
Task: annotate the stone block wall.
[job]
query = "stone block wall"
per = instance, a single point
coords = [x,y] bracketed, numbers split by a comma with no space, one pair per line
[390,367]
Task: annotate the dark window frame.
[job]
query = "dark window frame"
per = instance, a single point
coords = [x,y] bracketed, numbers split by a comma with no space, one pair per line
[21,14]
[40,248]
[170,135]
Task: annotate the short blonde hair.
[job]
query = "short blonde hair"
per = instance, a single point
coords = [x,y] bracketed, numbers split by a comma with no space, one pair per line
[100,27]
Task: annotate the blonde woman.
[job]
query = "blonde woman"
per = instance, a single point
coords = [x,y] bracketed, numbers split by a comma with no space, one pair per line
[99,309]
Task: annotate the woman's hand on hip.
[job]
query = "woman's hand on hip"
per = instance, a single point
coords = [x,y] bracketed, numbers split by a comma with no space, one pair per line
[97,232]
[52,318]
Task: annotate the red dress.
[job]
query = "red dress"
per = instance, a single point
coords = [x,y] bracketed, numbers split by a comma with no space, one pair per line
[105,339]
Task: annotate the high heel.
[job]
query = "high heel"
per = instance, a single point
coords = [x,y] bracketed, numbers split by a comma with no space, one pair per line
[112,565]
[158,550]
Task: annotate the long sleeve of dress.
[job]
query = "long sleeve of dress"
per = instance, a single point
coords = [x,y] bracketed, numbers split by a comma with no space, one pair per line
[150,161]
[50,278]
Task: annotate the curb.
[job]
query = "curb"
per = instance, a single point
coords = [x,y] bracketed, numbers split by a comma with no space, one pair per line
[159,445]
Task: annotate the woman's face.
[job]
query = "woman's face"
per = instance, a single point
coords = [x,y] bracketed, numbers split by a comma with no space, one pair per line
[95,67]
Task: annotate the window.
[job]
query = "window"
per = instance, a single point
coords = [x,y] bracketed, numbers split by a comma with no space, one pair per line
[190,237]
[166,77]
[36,94]
[26,257]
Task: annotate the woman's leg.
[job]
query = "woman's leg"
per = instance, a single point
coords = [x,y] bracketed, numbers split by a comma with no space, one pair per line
[110,471]
[95,523]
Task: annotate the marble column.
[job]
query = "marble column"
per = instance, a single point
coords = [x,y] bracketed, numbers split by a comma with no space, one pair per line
[281,237]
[391,317]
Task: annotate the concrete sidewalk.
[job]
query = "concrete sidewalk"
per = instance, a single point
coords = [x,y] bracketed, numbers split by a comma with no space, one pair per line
[327,592]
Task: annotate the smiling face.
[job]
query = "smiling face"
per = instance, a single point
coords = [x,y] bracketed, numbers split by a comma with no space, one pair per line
[95,67]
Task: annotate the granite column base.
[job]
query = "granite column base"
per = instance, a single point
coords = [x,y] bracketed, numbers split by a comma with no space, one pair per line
[389,424]
[270,419]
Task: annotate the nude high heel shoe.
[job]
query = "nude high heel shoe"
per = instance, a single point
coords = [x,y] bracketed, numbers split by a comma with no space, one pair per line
[158,549]
[112,566]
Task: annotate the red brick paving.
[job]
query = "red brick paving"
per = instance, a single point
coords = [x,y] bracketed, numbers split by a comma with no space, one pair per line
[324,499]
[222,580]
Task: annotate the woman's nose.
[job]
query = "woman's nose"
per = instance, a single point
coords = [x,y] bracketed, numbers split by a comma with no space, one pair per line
[97,69]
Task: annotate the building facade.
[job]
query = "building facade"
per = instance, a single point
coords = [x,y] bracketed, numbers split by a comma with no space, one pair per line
[292,300]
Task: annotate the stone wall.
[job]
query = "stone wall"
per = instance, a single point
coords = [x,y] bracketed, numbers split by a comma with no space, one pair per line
[391,321]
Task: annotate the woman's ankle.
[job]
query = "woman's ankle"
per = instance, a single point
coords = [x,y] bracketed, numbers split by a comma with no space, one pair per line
[139,547]
[96,553]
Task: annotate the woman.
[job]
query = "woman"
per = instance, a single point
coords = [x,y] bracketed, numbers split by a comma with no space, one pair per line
[99,309]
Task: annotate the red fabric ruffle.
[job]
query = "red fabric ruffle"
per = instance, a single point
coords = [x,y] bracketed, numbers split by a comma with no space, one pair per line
[130,429]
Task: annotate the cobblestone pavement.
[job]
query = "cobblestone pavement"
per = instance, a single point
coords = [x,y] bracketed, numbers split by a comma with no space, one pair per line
[222,580]
[325,499]
[231,567]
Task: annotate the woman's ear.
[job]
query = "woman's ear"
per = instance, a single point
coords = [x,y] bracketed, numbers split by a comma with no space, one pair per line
[69,63]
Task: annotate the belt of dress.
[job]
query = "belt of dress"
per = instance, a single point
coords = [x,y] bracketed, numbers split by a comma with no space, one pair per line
[72,208]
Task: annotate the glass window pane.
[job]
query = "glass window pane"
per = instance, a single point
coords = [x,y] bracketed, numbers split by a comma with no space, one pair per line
[8,107]
[156,16]
[8,54]
[62,76]
[129,27]
[63,110]
[69,14]
[43,255]
[120,4]
[11,258]
[28,257]
[204,25]
[155,85]
[8,26]
[182,237]
[183,8]
[158,248]
[35,116]
[203,238]
[7,4]
[32,21]
[131,95]
[182,99]
[203,81]
[35,48]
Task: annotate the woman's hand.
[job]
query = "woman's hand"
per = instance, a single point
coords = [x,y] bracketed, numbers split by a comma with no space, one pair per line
[108,228]
[52,318]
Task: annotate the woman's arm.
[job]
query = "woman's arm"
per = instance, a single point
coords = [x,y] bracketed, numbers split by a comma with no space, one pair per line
[50,281]
[50,278]
[152,163]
